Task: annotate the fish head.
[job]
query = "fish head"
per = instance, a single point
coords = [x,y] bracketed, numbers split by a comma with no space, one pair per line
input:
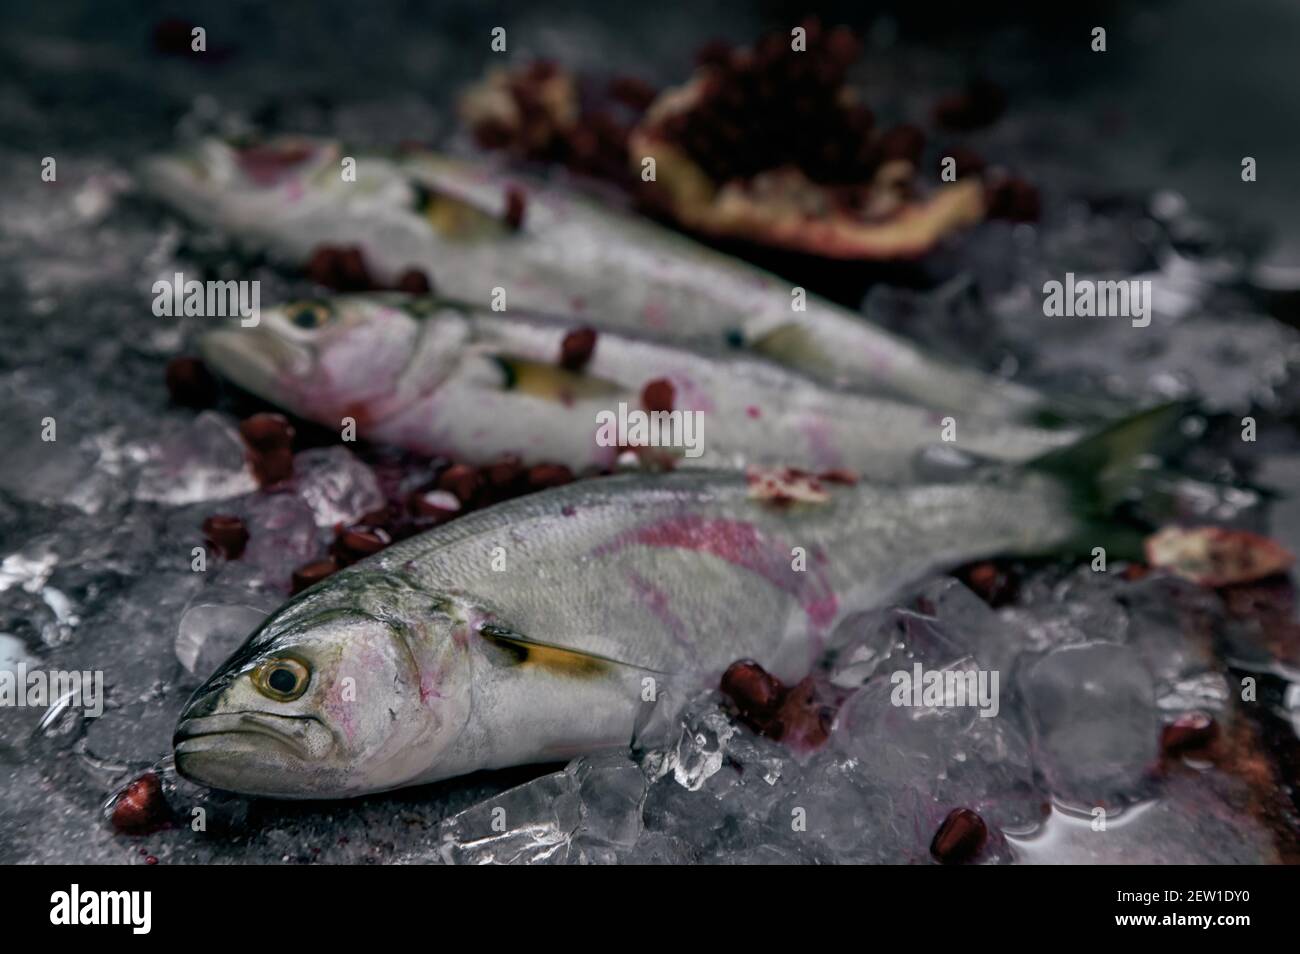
[360,685]
[254,184]
[367,357]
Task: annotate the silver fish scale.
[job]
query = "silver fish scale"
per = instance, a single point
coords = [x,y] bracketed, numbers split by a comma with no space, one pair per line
[687,572]
[629,273]
[874,436]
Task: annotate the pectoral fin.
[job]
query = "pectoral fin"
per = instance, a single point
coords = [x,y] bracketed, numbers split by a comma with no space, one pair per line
[792,345]
[551,382]
[514,649]
[454,218]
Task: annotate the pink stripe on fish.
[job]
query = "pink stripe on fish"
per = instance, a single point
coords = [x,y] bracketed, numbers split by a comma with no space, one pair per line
[429,683]
[741,544]
[658,603]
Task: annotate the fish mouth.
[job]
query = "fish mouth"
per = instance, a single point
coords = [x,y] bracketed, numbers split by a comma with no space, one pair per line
[189,177]
[253,358]
[304,738]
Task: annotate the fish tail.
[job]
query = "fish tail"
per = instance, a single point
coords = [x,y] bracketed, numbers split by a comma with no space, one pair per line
[1061,412]
[1107,474]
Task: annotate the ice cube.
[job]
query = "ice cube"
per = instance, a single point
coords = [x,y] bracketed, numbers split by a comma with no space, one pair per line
[930,759]
[27,570]
[530,824]
[942,622]
[701,747]
[717,786]
[210,631]
[583,813]
[1171,624]
[1095,726]
[337,486]
[282,536]
[613,790]
[196,460]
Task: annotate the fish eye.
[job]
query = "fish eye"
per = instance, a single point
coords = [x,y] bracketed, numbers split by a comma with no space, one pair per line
[282,679]
[308,315]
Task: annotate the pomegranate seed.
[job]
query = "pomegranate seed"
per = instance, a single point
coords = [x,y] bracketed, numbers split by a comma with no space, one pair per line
[313,573]
[516,205]
[1190,731]
[352,267]
[805,721]
[266,431]
[992,583]
[658,395]
[752,688]
[960,838]
[505,473]
[140,807]
[549,475]
[358,542]
[413,281]
[339,268]
[226,534]
[323,266]
[577,348]
[435,504]
[839,475]
[272,467]
[461,480]
[190,383]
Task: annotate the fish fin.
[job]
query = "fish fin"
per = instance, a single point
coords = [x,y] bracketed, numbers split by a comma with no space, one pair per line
[453,217]
[792,344]
[552,382]
[1070,411]
[1104,463]
[515,649]
[1108,470]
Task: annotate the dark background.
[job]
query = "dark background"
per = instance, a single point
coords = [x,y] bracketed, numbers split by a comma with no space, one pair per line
[1184,90]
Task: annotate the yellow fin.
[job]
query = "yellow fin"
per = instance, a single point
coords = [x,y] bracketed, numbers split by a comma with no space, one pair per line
[792,344]
[552,382]
[522,652]
[517,650]
[454,218]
